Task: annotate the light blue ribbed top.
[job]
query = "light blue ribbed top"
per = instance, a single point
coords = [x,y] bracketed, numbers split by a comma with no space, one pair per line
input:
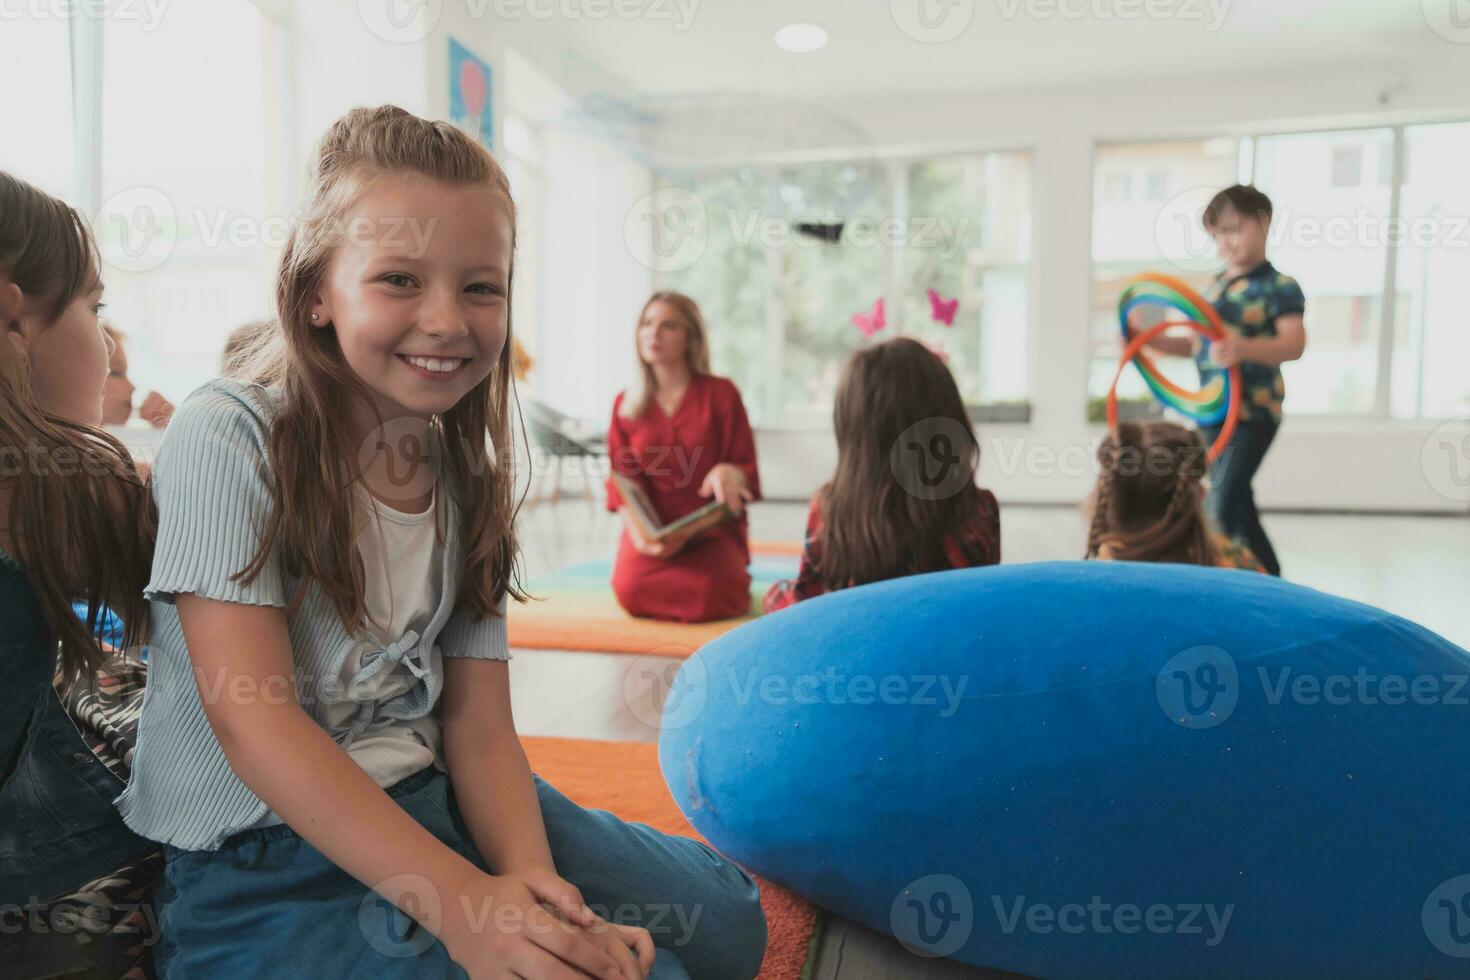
[210,485]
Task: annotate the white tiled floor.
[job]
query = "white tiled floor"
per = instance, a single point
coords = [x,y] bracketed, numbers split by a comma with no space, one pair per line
[1417,567]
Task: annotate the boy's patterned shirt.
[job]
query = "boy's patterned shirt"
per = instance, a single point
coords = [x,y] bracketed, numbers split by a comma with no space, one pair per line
[1250,305]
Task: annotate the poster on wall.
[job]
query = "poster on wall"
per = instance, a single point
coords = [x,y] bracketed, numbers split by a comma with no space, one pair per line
[469,94]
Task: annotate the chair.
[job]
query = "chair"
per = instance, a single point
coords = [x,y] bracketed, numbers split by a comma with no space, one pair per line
[559,437]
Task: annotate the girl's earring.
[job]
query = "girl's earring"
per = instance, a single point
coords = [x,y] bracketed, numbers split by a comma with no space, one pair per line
[315,318]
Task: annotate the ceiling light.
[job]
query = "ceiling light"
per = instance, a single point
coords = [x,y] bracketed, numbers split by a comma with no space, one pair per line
[801,38]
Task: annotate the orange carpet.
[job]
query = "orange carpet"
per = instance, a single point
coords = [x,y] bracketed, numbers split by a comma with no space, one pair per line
[777,549]
[576,610]
[624,778]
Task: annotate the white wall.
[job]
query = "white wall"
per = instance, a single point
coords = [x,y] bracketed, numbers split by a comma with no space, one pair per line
[337,63]
[596,284]
[1316,463]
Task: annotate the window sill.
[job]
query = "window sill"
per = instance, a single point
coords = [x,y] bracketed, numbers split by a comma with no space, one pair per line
[998,413]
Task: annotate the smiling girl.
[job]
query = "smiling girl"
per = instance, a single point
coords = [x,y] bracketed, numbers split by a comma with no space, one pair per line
[327,745]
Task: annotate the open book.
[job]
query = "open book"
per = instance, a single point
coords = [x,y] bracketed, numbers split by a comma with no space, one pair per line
[646,517]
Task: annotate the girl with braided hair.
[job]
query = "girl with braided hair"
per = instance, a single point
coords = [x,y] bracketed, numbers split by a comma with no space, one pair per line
[1149,501]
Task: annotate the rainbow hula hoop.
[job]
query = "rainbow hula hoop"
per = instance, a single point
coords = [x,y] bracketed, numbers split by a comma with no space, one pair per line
[1218,403]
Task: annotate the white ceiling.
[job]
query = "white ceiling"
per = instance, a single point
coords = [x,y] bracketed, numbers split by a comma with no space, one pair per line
[1000,44]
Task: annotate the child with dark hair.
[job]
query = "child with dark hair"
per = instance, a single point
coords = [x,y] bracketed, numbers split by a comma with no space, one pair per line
[1262,310]
[76,527]
[1148,502]
[903,500]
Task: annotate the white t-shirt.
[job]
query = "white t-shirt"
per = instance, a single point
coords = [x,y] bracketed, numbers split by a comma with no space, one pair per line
[403,561]
[403,558]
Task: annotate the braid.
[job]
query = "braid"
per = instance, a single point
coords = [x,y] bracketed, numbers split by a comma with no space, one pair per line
[1100,505]
[1148,509]
[1183,487]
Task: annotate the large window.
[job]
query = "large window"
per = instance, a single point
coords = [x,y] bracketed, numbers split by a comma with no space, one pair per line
[1431,348]
[35,76]
[1371,222]
[1331,194]
[187,226]
[788,255]
[171,142]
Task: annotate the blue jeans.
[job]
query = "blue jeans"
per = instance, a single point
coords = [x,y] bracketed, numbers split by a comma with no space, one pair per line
[1232,501]
[269,904]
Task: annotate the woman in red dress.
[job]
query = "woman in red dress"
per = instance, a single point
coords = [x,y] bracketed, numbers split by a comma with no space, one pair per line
[683,433]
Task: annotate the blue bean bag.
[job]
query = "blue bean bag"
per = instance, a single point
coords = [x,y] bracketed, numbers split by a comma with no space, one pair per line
[1089,769]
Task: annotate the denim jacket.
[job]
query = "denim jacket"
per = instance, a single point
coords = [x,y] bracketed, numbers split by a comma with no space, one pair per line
[58,827]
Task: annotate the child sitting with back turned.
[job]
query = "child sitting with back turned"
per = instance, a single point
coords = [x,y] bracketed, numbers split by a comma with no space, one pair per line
[903,500]
[1149,501]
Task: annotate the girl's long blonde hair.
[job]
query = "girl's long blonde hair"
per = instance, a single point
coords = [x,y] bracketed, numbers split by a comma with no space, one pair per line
[696,350]
[311,521]
[77,514]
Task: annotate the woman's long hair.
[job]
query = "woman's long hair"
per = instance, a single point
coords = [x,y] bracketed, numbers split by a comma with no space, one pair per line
[696,350]
[882,514]
[1149,500]
[312,520]
[78,515]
